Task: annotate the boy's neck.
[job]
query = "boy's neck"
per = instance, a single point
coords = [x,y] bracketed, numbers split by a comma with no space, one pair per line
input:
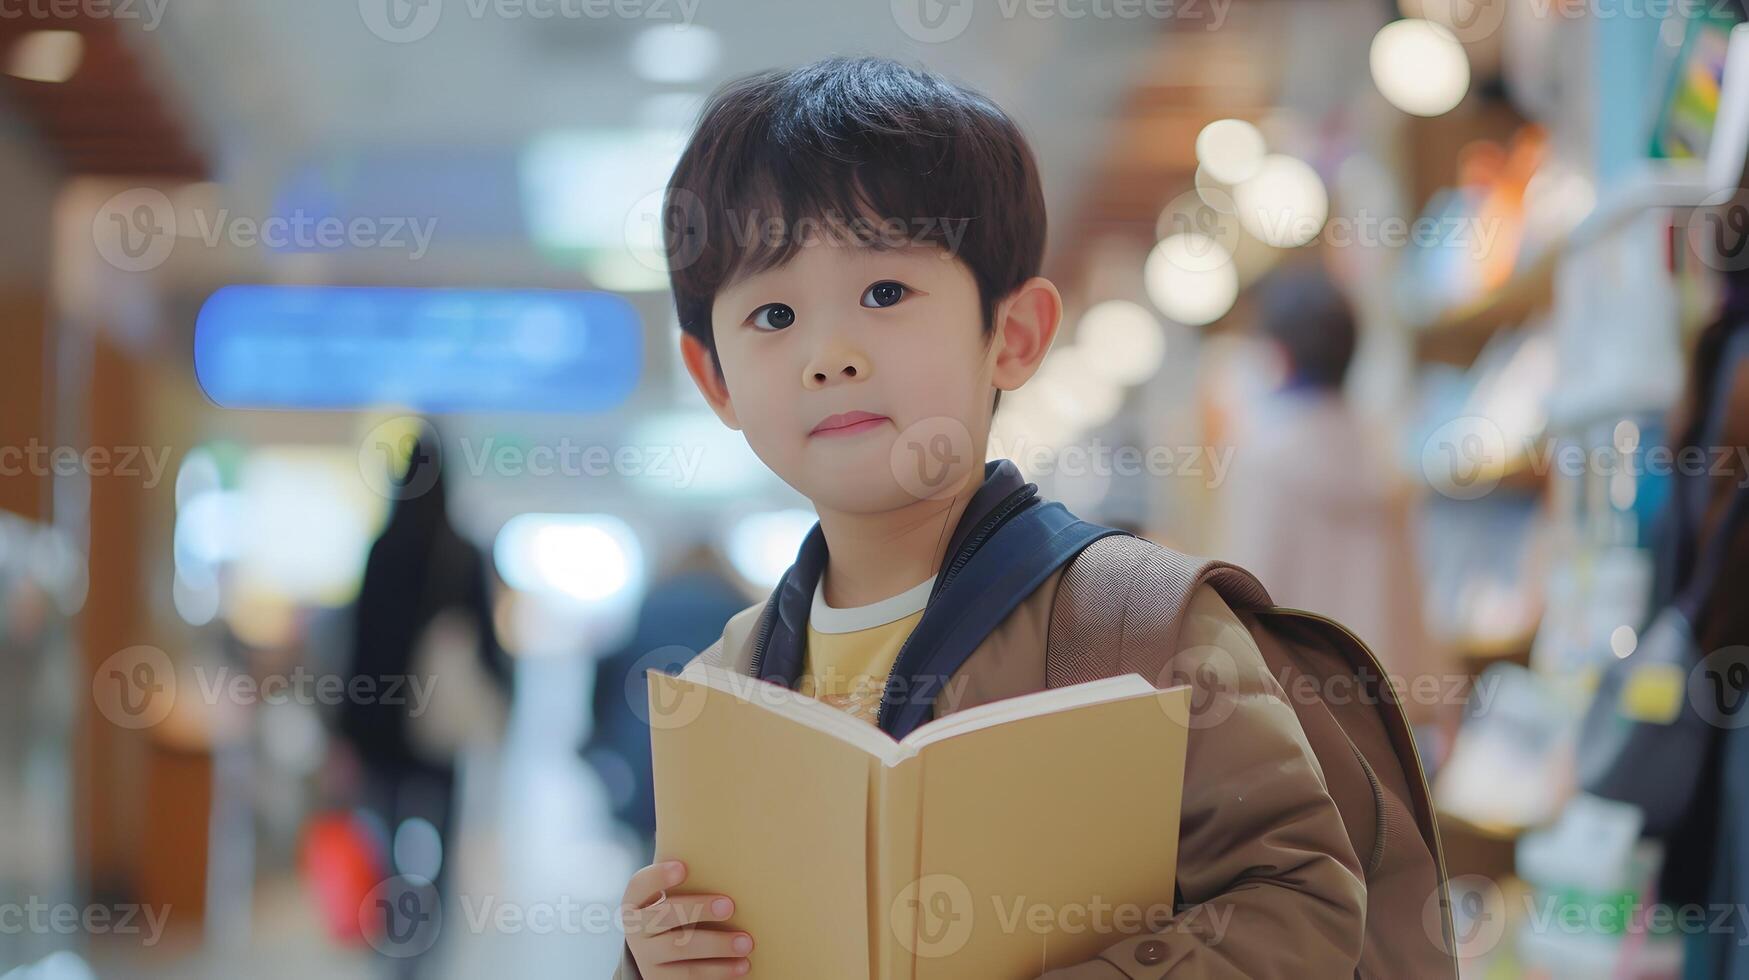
[871,557]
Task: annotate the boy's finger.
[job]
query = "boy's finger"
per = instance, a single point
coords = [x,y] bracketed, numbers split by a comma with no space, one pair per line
[678,911]
[712,969]
[686,945]
[648,883]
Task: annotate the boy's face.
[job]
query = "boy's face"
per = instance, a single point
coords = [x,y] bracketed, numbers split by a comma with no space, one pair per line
[844,329]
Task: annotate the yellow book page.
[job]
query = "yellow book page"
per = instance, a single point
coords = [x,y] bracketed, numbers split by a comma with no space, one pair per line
[771,813]
[1043,840]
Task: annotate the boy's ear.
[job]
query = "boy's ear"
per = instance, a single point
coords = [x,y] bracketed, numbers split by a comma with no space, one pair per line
[1026,321]
[703,367]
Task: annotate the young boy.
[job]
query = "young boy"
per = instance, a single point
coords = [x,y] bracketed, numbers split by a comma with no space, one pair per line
[855,262]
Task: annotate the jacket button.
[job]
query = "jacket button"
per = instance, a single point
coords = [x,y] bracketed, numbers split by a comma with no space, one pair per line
[1150,952]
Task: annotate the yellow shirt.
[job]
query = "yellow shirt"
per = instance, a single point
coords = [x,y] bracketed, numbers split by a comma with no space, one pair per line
[851,650]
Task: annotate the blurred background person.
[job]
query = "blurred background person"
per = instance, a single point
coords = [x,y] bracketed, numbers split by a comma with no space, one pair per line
[1314,505]
[1707,861]
[423,640]
[682,614]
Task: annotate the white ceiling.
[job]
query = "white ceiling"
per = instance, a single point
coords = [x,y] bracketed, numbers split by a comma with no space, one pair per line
[277,85]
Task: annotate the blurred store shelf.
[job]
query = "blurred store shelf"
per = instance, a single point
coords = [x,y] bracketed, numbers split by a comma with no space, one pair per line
[1458,334]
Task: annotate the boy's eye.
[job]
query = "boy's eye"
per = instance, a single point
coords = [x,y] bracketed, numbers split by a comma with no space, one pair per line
[884,293]
[774,316]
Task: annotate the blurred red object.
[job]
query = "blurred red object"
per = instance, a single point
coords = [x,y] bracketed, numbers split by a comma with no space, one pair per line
[342,862]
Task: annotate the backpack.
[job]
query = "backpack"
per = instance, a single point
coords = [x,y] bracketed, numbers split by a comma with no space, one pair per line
[1127,595]
[1356,729]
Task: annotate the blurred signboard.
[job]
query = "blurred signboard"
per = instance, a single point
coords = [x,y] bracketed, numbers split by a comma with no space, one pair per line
[432,350]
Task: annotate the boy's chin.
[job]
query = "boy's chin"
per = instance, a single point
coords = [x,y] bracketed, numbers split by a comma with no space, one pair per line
[874,490]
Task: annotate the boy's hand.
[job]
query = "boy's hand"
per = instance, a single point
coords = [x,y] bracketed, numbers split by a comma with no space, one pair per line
[662,935]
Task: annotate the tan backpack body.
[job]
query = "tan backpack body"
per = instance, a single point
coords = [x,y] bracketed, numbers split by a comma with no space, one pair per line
[1120,607]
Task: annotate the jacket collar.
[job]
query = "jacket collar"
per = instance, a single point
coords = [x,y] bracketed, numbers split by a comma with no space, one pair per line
[784,647]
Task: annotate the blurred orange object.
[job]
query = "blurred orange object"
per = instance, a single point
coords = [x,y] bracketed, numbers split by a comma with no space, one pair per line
[342,862]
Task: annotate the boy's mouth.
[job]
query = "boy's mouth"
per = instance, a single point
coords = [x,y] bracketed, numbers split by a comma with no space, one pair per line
[847,423]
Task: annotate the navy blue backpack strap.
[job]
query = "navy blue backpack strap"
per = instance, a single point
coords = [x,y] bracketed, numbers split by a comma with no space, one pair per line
[1024,551]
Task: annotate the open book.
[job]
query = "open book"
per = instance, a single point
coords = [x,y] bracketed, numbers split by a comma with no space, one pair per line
[997,842]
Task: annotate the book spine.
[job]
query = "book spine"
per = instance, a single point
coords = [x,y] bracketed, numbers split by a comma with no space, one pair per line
[895,855]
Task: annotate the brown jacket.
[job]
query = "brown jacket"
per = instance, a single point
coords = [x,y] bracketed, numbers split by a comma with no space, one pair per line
[1269,880]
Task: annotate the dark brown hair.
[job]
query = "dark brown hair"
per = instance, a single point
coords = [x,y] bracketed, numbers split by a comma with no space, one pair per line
[1303,311]
[864,146]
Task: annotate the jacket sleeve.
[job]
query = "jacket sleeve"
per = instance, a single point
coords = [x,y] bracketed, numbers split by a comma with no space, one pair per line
[1269,883]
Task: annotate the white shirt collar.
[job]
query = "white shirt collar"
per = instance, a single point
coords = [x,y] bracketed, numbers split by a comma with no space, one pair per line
[830,619]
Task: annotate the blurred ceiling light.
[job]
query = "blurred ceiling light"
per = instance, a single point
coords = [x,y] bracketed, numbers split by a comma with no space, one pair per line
[196,603]
[584,557]
[1420,67]
[1230,150]
[1123,341]
[762,546]
[209,531]
[308,518]
[1284,204]
[597,189]
[627,270]
[1075,390]
[676,54]
[46,56]
[1190,278]
[198,474]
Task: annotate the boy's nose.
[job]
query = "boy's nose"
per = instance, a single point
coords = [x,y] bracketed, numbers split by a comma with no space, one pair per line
[834,367]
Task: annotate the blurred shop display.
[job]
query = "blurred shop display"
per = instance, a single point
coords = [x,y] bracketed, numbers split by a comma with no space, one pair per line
[1549,365]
